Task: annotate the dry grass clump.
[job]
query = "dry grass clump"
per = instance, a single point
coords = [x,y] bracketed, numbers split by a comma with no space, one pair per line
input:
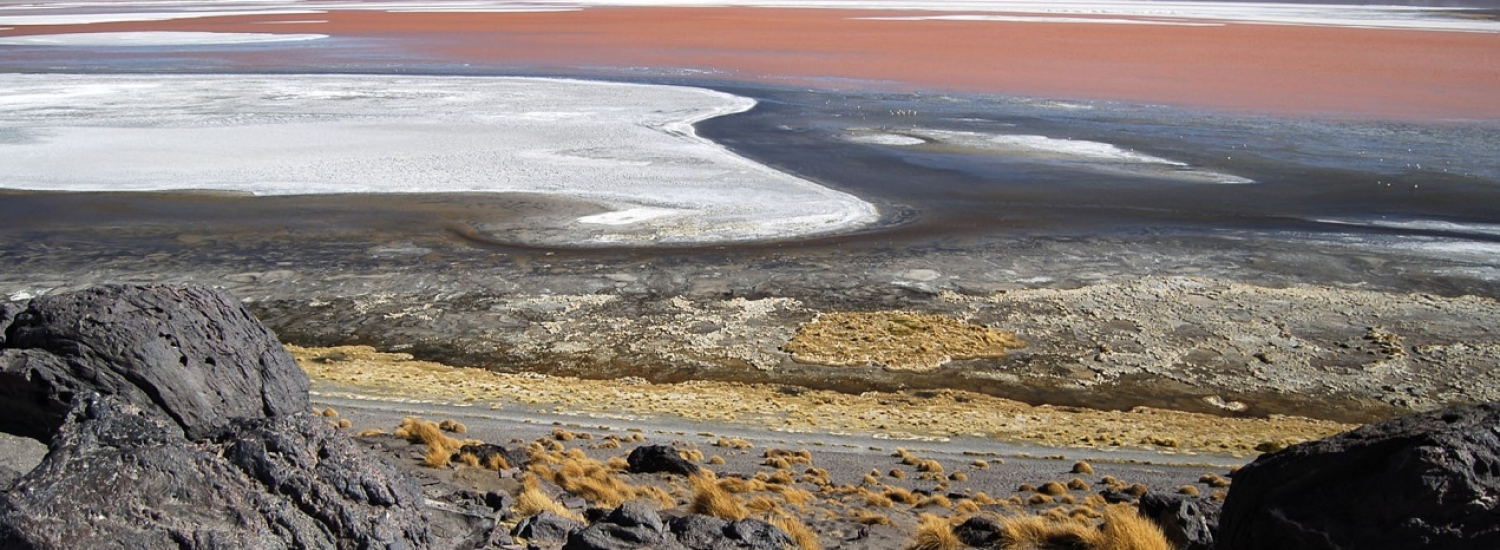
[597,483]
[1137,490]
[1026,488]
[966,506]
[981,464]
[454,426]
[1189,490]
[816,476]
[561,434]
[895,340]
[958,476]
[805,538]
[1214,480]
[711,499]
[1038,500]
[934,533]
[329,412]
[777,462]
[930,466]
[866,517]
[691,455]
[735,443]
[344,424]
[372,432]
[716,460]
[801,456]
[1122,529]
[902,495]
[1219,495]
[1078,484]
[898,473]
[1125,529]
[876,500]
[780,477]
[762,505]
[440,447]
[940,501]
[532,501]
[1052,488]
[1082,467]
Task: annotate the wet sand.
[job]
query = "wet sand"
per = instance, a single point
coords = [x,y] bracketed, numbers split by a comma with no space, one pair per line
[1270,68]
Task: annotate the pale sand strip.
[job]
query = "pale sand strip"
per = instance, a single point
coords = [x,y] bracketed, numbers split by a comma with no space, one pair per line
[629,147]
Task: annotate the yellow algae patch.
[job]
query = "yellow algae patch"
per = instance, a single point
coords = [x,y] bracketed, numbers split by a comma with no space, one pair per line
[895,340]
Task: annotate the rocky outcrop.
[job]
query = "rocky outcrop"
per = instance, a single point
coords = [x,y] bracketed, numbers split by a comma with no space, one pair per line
[650,459]
[176,420]
[192,353]
[635,525]
[1425,481]
[546,527]
[1188,522]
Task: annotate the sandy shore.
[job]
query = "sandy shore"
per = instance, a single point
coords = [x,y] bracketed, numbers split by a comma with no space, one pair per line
[1282,68]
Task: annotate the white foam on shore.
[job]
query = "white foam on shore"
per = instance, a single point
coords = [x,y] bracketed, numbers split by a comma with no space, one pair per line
[631,147]
[1482,229]
[1093,155]
[1044,19]
[153,38]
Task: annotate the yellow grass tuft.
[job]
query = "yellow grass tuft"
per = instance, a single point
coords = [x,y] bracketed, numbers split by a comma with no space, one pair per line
[1078,484]
[711,499]
[902,495]
[875,499]
[1125,529]
[958,476]
[981,464]
[779,463]
[470,459]
[344,423]
[1039,499]
[898,473]
[762,505]
[1137,490]
[930,466]
[1052,488]
[1189,490]
[805,538]
[563,435]
[716,460]
[966,506]
[1214,480]
[691,455]
[934,533]
[436,457]
[866,517]
[595,482]
[934,500]
[454,426]
[532,501]
[330,413]
[735,443]
[1082,467]
[372,432]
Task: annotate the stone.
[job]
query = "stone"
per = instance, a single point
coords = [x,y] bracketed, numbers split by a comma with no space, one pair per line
[700,532]
[980,532]
[1430,480]
[634,525]
[546,527]
[650,459]
[130,479]
[1188,522]
[193,353]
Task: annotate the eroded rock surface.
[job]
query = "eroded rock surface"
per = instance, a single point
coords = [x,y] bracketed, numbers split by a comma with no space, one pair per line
[176,420]
[192,353]
[1425,481]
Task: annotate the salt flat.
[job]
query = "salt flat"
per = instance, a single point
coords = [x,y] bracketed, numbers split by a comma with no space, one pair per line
[630,148]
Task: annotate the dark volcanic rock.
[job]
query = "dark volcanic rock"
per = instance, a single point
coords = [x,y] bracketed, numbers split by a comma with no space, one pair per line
[699,532]
[650,459]
[546,527]
[634,525]
[1425,481]
[193,353]
[1188,522]
[980,532]
[119,476]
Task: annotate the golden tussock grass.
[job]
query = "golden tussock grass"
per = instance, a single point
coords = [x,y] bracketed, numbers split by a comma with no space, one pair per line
[454,426]
[716,460]
[778,462]
[436,457]
[981,464]
[739,485]
[870,479]
[792,495]
[984,499]
[595,482]
[1078,484]
[1052,488]
[711,499]
[934,533]
[691,455]
[1219,495]
[805,538]
[898,473]
[470,459]
[876,500]
[866,517]
[618,463]
[934,500]
[1214,480]
[1189,490]
[1125,529]
[902,495]
[372,432]
[344,423]
[1137,490]
[966,506]
[532,501]
[958,476]
[329,412]
[497,462]
[1082,467]
[780,477]
[1067,499]
[563,435]
[930,466]
[800,456]
[1039,499]
[762,505]
[1026,488]
[735,443]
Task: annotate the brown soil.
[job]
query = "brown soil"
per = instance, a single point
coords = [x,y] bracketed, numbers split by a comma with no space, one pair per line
[1252,67]
[912,414]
